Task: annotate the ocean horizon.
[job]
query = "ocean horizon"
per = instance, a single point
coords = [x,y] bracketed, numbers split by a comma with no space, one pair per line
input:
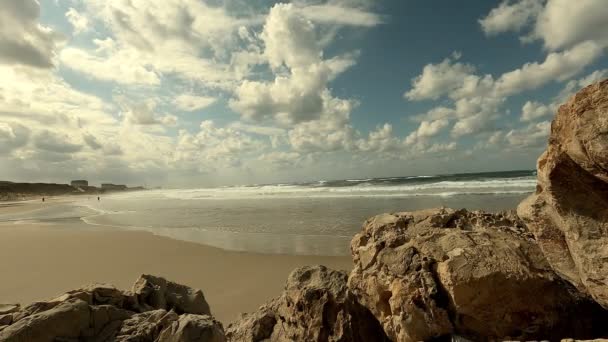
[306,218]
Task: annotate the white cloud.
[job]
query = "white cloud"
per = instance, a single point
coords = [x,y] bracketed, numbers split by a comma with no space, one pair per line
[533,135]
[280,159]
[55,142]
[566,23]
[338,14]
[426,130]
[214,148]
[574,85]
[510,16]
[299,92]
[560,24]
[23,40]
[79,21]
[380,140]
[121,66]
[145,113]
[558,66]
[190,103]
[533,110]
[12,136]
[439,79]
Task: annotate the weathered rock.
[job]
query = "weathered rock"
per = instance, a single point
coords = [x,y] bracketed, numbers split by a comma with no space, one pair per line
[9,308]
[103,313]
[97,294]
[433,273]
[315,306]
[157,293]
[65,320]
[193,328]
[145,326]
[6,319]
[568,214]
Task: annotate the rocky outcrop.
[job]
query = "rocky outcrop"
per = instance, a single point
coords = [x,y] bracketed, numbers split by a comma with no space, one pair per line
[155,310]
[440,272]
[316,305]
[568,214]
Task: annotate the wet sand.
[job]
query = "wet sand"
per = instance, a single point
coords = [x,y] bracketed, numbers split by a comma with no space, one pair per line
[41,260]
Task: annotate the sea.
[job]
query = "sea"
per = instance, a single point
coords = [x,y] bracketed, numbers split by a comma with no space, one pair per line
[308,218]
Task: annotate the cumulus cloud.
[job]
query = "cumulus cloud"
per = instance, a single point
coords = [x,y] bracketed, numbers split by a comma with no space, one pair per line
[439,79]
[23,40]
[121,66]
[145,113]
[533,135]
[339,14]
[91,141]
[12,136]
[427,129]
[560,24]
[79,21]
[533,110]
[190,103]
[380,140]
[558,66]
[511,16]
[56,142]
[213,147]
[565,23]
[299,92]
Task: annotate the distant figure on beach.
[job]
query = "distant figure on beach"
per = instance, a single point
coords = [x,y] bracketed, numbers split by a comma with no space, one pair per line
[42,199]
[98,198]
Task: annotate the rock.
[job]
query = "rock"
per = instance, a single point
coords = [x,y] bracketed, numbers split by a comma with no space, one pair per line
[66,320]
[315,306]
[568,213]
[9,308]
[6,319]
[103,313]
[145,326]
[157,293]
[434,273]
[97,294]
[193,328]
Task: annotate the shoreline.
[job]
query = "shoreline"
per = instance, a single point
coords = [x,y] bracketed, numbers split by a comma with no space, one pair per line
[45,259]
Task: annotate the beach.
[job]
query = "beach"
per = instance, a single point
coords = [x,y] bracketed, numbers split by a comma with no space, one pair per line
[43,259]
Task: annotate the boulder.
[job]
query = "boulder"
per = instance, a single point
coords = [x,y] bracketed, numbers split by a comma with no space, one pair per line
[104,313]
[9,308]
[315,306]
[439,272]
[568,213]
[193,328]
[157,293]
[145,326]
[66,320]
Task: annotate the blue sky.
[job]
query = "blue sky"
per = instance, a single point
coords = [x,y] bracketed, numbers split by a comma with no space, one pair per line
[200,93]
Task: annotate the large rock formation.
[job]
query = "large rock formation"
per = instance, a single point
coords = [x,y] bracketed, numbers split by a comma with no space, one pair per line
[568,214]
[440,272]
[315,306]
[155,310]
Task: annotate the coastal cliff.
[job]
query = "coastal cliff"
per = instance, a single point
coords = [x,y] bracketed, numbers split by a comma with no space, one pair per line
[536,274]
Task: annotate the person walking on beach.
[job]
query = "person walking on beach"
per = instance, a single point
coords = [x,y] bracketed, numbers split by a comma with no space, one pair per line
[98,198]
[42,199]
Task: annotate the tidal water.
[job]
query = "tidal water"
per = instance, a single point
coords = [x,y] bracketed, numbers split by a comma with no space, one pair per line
[313,218]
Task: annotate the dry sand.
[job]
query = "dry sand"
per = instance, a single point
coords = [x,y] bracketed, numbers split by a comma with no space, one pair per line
[40,260]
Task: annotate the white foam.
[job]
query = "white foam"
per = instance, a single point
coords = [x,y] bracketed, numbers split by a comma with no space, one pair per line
[445,188]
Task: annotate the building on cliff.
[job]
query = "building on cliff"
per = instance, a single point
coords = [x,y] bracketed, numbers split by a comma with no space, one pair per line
[79,183]
[113,187]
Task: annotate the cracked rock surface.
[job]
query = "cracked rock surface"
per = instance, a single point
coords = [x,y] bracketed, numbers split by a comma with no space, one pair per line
[441,272]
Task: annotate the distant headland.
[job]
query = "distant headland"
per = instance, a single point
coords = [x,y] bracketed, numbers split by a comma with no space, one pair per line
[12,191]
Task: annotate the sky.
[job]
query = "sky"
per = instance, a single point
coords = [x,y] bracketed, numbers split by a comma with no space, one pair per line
[190,93]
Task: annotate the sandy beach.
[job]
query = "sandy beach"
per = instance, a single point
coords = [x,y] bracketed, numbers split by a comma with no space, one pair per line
[41,260]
